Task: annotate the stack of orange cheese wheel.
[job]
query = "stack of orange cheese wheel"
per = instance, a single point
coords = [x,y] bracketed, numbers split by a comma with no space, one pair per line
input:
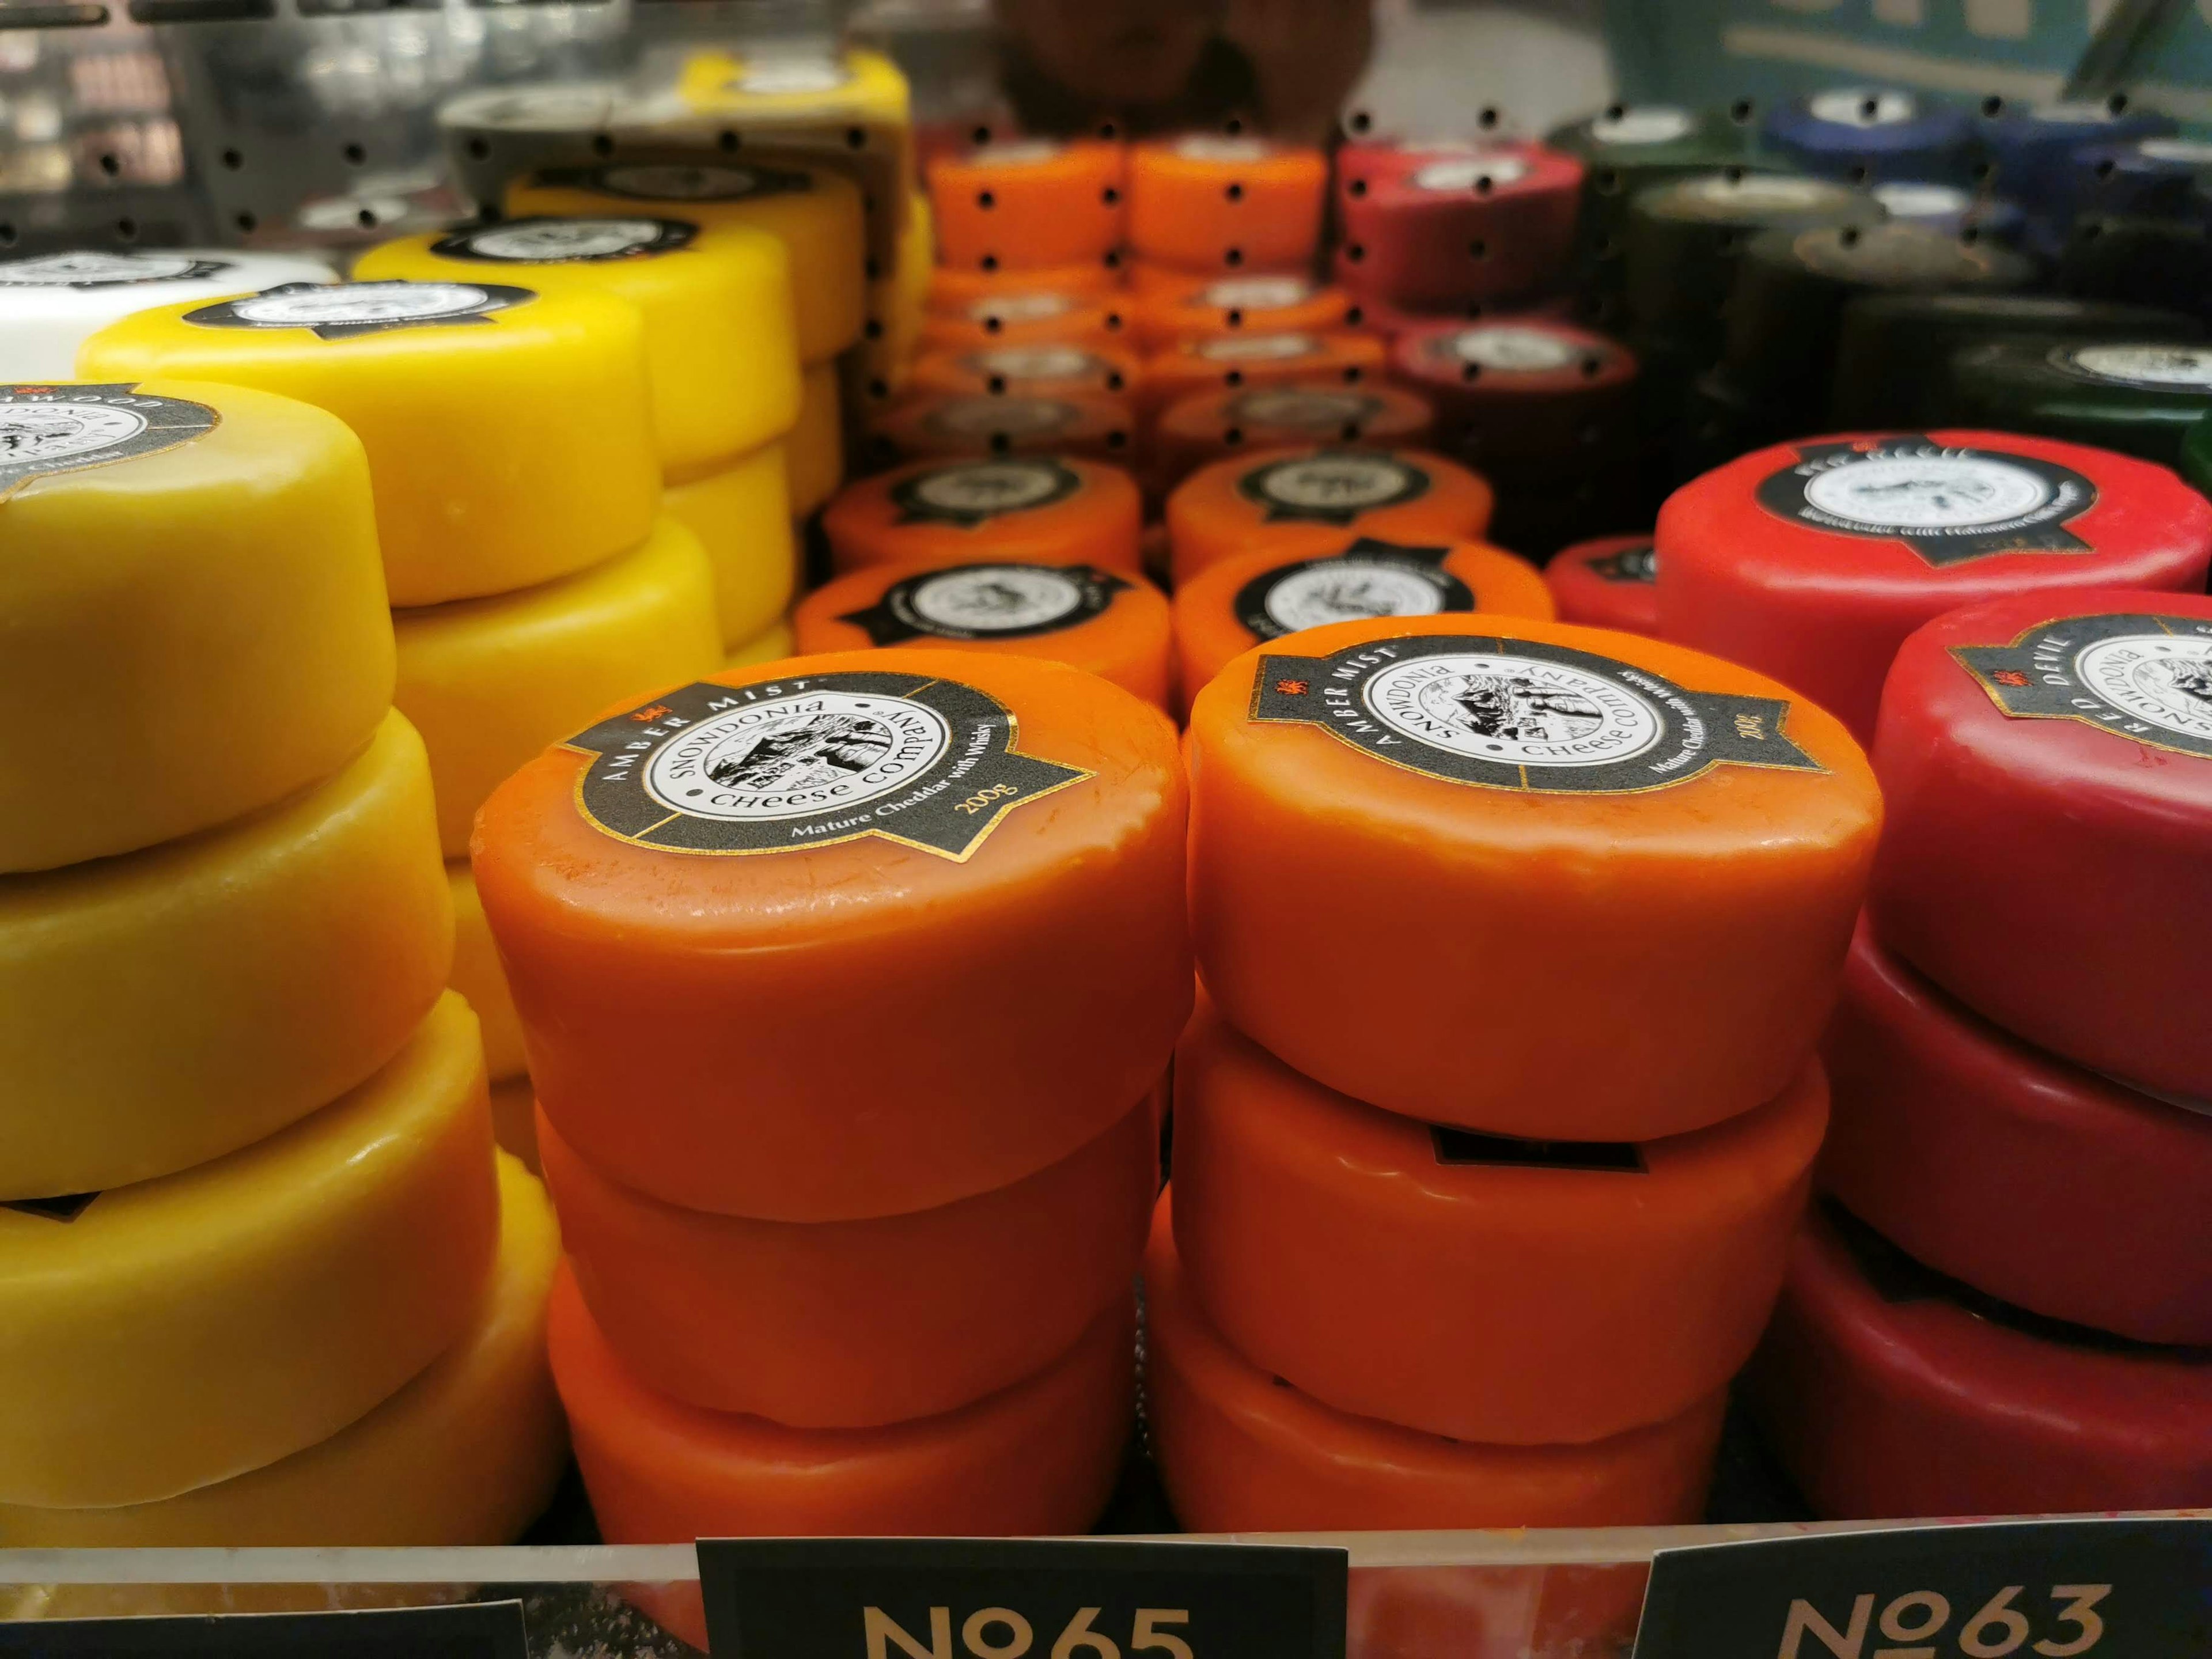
[1213,204]
[849,982]
[1500,1107]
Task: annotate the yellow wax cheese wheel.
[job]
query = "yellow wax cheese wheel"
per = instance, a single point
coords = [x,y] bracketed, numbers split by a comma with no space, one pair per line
[163,1008]
[508,431]
[772,645]
[721,349]
[514,1119]
[166,1336]
[742,516]
[814,454]
[490,683]
[482,981]
[814,211]
[467,1453]
[189,583]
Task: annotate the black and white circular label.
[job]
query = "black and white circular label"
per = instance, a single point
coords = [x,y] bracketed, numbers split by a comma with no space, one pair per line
[342,310]
[1948,503]
[1331,486]
[809,761]
[1043,362]
[2139,675]
[554,241]
[1513,348]
[971,494]
[95,268]
[1370,578]
[1301,409]
[981,603]
[1258,348]
[1256,293]
[680,181]
[1862,109]
[984,417]
[1646,124]
[46,429]
[2159,367]
[1638,564]
[1522,714]
[1484,170]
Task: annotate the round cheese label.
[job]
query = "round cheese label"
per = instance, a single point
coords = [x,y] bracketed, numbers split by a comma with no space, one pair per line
[2142,676]
[809,761]
[1043,363]
[1368,579]
[1646,124]
[1258,348]
[970,494]
[565,241]
[1923,201]
[1211,147]
[1507,348]
[1304,409]
[47,430]
[1948,504]
[94,268]
[987,416]
[1484,170]
[790,77]
[2151,365]
[1256,293]
[1331,486]
[1521,714]
[979,603]
[342,310]
[1853,108]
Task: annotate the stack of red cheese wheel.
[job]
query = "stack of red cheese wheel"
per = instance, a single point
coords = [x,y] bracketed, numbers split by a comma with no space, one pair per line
[1501,1108]
[849,983]
[2010,1310]
[1431,227]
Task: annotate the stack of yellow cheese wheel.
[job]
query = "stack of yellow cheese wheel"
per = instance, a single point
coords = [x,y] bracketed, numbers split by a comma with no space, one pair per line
[510,436]
[261,1278]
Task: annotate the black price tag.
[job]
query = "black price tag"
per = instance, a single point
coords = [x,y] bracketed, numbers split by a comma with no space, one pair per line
[483,1629]
[2032,1589]
[932,1598]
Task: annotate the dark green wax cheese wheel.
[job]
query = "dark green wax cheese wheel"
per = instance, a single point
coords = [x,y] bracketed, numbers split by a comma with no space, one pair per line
[2140,396]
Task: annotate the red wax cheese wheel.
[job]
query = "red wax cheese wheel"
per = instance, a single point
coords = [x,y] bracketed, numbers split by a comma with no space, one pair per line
[1888,1391]
[1027,203]
[1307,499]
[1039,1457]
[1110,625]
[1025,318]
[1425,851]
[1207,203]
[743,863]
[955,290]
[1611,582]
[1373,1262]
[1209,307]
[961,1301]
[1528,393]
[1228,608]
[2049,760]
[1435,226]
[1036,371]
[1225,362]
[1240,1451]
[2030,1179]
[1210,426]
[1039,509]
[953,423]
[1812,561]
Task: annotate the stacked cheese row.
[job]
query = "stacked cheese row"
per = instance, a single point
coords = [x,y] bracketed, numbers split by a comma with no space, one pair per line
[263,1278]
[849,985]
[1494,1130]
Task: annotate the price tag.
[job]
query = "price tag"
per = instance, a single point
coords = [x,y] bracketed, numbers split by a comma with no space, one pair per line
[2032,1589]
[930,1598]
[485,1630]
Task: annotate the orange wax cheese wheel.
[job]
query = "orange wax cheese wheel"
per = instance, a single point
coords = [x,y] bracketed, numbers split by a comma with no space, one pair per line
[800,839]
[508,429]
[1044,370]
[965,1299]
[1611,582]
[1036,318]
[1228,608]
[1113,626]
[1628,824]
[1039,509]
[1240,1451]
[480,980]
[1372,1261]
[954,291]
[1209,425]
[1025,203]
[1307,499]
[1039,1457]
[1212,307]
[490,682]
[1225,363]
[1094,425]
[1207,201]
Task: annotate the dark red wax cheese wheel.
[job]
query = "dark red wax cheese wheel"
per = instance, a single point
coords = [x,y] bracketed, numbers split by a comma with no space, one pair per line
[1547,820]
[1372,1261]
[1379,316]
[963,1300]
[1427,226]
[1526,393]
[2048,763]
[1888,1391]
[1040,509]
[1241,1451]
[1093,425]
[694,896]
[1607,583]
[1812,561]
[2029,1179]
[1211,425]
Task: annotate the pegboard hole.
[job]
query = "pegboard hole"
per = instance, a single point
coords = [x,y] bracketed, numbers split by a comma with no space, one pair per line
[879,389]
[1235,377]
[1354,252]
[1353,317]
[1355,189]
[1984,171]
[1732,174]
[1115,381]
[1234,318]
[126,230]
[1234,257]
[1742,111]
[1478,250]
[478,150]
[872,268]
[245,222]
[355,155]
[994,325]
[1848,235]
[1233,126]
[1109,130]
[1001,443]
[729,140]
[1232,436]
[980,136]
[1607,181]
[1614,112]
[110,166]
[856,138]
[602,144]
[2104,167]
[366,218]
[984,198]
[2118,103]
[1354,375]
[1349,432]
[872,329]
[1235,192]
[1859,175]
[1993,107]
[1117,439]
[1470,373]
[995,385]
[1110,196]
[1359,121]
[233,160]
[1592,368]
[989,262]
[7,235]
[1483,183]
[1488,119]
